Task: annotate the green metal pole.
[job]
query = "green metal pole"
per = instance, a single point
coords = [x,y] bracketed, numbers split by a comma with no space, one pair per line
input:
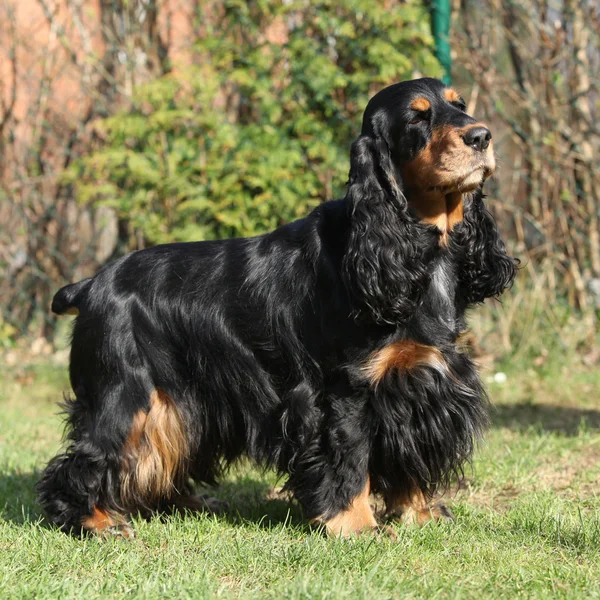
[440,28]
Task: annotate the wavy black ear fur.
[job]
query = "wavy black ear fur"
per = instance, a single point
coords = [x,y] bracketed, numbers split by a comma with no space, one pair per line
[385,263]
[487,270]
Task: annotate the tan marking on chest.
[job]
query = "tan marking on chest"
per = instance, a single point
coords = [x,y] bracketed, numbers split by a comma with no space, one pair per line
[444,211]
[402,356]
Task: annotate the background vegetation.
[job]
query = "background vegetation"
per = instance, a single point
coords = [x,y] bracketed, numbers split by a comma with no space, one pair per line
[129,123]
[255,132]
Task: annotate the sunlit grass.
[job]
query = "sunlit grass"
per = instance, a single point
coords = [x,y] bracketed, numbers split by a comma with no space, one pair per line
[527,518]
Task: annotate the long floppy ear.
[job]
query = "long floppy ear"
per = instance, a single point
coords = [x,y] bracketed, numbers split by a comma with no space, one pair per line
[487,269]
[384,265]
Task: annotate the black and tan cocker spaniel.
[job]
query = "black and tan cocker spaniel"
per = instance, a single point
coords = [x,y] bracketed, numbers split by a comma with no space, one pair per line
[326,349]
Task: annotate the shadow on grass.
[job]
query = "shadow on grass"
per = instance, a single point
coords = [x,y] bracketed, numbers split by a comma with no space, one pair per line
[547,417]
[17,498]
[250,499]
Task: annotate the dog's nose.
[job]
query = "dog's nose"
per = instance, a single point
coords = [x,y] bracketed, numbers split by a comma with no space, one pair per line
[478,138]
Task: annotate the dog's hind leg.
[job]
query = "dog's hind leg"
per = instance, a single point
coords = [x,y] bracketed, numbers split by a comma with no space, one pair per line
[155,457]
[121,461]
[78,494]
[156,461]
[79,489]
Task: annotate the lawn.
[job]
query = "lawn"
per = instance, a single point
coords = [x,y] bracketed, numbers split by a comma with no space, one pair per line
[527,516]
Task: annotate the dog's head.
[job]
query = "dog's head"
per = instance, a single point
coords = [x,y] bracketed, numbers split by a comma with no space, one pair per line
[423,135]
[417,158]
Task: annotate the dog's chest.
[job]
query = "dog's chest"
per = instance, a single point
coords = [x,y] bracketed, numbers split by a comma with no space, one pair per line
[438,311]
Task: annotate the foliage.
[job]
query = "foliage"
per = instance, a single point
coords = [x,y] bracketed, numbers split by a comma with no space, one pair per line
[256,130]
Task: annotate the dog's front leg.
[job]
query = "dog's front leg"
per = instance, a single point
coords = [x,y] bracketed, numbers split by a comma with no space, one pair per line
[358,517]
[330,476]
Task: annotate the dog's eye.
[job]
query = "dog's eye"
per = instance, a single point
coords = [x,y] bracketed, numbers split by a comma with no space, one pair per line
[420,116]
[460,104]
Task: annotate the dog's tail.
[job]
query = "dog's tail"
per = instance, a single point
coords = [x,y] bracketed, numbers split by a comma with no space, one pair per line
[67,300]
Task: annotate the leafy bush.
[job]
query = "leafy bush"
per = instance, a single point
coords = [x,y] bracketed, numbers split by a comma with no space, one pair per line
[257,129]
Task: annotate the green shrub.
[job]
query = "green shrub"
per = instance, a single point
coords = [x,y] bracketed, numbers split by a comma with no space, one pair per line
[255,132]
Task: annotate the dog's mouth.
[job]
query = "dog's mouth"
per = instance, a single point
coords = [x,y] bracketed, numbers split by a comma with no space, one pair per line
[471,177]
[474,179]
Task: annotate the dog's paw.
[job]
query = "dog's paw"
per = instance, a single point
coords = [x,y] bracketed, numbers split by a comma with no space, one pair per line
[435,512]
[123,531]
[386,531]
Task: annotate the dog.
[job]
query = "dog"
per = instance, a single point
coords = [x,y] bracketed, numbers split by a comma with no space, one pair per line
[327,349]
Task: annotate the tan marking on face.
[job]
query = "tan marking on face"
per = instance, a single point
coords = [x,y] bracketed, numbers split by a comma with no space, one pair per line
[420,104]
[403,356]
[358,517]
[154,454]
[446,162]
[441,173]
[72,310]
[451,95]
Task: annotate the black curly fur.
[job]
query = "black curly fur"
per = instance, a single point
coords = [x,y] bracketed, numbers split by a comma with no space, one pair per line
[423,440]
[487,270]
[386,263]
[261,343]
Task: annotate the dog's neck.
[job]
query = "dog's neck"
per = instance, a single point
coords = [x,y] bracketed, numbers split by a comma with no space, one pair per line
[437,208]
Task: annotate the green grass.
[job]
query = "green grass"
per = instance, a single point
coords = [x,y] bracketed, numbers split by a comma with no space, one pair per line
[527,519]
